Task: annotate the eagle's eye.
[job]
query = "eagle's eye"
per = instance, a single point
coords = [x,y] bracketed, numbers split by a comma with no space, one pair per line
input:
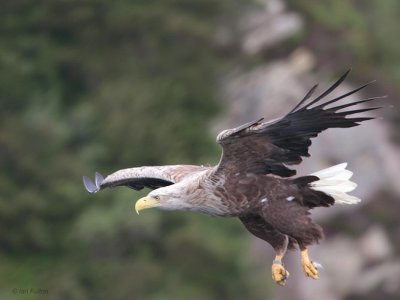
[157,197]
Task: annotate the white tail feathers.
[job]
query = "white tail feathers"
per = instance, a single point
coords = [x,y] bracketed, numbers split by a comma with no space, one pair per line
[335,181]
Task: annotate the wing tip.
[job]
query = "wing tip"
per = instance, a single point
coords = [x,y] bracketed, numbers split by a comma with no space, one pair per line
[98,180]
[345,74]
[89,185]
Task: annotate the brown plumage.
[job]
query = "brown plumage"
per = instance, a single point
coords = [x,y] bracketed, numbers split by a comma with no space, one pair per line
[253,181]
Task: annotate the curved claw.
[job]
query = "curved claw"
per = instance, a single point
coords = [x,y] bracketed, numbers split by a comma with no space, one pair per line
[89,185]
[317,265]
[279,274]
[309,269]
[98,180]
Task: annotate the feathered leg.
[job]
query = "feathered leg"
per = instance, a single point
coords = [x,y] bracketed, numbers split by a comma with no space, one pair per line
[261,229]
[295,223]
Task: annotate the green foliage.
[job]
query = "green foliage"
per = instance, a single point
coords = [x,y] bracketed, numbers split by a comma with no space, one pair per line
[362,33]
[103,85]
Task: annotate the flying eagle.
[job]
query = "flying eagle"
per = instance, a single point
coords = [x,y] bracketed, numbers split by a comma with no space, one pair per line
[253,182]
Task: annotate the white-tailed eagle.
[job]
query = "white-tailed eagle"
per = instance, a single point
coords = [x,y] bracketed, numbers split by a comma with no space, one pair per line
[253,181]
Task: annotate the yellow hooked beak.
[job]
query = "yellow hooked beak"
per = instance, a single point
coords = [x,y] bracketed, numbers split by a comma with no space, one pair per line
[146,202]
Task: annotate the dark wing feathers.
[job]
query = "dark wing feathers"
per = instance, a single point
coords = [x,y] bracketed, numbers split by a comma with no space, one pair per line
[142,177]
[329,90]
[268,147]
[256,147]
[306,97]
[138,183]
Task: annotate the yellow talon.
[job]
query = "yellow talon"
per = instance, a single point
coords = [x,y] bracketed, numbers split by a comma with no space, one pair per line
[308,267]
[279,274]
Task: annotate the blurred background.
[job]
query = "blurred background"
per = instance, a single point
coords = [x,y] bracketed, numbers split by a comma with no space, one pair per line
[101,85]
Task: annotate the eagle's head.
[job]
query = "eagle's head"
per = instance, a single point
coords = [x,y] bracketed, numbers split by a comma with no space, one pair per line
[167,198]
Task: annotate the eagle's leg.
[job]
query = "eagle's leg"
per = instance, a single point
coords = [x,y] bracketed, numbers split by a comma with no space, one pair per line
[279,273]
[308,267]
[263,230]
[292,219]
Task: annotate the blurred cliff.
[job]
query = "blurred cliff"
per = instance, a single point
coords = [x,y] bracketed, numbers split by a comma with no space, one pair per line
[361,252]
[97,86]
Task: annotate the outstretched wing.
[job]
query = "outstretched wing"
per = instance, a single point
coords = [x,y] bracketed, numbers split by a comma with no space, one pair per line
[141,177]
[267,147]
